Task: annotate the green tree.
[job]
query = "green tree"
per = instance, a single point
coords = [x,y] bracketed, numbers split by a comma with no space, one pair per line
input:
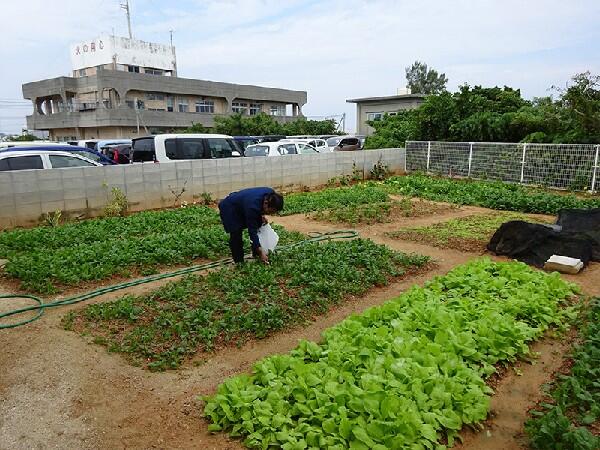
[196,128]
[25,137]
[422,80]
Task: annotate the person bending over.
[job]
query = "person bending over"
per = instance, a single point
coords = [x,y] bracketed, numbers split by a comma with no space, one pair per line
[247,209]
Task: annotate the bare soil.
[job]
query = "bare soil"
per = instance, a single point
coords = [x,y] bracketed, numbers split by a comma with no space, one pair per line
[58,391]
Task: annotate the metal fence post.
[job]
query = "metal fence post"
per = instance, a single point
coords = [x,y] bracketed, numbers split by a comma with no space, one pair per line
[470,158]
[595,169]
[523,163]
[428,154]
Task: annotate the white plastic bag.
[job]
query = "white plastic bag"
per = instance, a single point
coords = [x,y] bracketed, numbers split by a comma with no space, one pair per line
[268,238]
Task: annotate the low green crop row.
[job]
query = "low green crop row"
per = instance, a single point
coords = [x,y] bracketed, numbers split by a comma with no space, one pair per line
[46,259]
[233,304]
[332,198]
[575,403]
[489,194]
[403,375]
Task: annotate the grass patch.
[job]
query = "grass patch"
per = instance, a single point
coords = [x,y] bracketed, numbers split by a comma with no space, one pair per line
[469,234]
[488,194]
[234,304]
[47,259]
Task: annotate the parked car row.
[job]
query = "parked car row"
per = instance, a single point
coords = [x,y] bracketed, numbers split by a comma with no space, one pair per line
[165,148]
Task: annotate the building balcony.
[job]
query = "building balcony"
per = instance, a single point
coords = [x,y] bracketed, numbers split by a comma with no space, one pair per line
[125,117]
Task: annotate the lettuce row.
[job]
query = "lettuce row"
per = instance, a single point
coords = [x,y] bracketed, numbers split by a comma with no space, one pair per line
[401,375]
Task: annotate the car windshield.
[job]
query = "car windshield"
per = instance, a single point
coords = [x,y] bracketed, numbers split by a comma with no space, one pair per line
[332,142]
[257,150]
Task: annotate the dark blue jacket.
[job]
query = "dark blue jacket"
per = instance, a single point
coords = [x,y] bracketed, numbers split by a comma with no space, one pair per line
[243,209]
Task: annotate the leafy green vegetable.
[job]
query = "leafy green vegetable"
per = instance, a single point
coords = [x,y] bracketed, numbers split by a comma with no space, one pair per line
[401,375]
[233,304]
[575,398]
[97,249]
[489,194]
[359,194]
[471,232]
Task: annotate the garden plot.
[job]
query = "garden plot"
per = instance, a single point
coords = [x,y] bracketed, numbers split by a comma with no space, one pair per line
[569,416]
[489,194]
[229,306]
[468,234]
[48,259]
[407,374]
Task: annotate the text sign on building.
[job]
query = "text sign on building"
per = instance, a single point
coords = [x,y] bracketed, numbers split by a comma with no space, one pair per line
[107,49]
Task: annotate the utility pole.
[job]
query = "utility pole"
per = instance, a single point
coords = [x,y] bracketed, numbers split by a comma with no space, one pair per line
[125,6]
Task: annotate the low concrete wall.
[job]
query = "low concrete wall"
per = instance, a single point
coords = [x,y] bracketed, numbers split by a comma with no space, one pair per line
[25,196]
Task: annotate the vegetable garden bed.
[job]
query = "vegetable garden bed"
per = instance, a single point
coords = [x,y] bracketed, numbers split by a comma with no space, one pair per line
[46,259]
[408,374]
[468,234]
[488,194]
[569,418]
[332,198]
[379,212]
[231,305]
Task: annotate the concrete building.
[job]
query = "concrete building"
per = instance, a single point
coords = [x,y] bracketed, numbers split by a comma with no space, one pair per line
[123,87]
[373,108]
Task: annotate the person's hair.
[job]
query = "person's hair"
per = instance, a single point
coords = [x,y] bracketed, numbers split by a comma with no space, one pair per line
[275,201]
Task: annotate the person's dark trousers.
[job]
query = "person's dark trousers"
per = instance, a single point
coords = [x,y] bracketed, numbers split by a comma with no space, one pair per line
[236,244]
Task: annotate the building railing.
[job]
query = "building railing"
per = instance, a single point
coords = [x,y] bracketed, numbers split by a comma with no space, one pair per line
[562,166]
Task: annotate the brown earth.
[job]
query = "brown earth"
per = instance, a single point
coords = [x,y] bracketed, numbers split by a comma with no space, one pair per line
[59,391]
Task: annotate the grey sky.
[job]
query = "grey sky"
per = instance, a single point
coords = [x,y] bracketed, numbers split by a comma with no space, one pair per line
[334,49]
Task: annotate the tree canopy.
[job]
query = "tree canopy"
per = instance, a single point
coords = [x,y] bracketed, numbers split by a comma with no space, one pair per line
[422,80]
[498,115]
[263,124]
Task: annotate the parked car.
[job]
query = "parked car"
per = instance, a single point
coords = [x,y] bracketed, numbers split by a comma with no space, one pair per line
[35,158]
[175,147]
[244,141]
[13,144]
[103,145]
[89,143]
[279,148]
[319,145]
[119,153]
[343,143]
[81,151]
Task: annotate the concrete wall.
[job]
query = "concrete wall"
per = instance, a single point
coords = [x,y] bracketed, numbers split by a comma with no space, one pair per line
[83,192]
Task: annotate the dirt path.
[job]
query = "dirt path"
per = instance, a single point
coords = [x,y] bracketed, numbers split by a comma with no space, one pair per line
[58,391]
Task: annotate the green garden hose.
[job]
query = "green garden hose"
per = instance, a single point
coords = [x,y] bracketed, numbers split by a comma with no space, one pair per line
[41,306]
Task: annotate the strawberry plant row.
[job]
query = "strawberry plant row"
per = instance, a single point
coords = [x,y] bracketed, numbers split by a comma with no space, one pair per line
[569,419]
[331,198]
[403,375]
[230,305]
[489,194]
[47,259]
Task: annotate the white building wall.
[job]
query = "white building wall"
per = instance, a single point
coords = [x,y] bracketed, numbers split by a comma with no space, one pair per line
[103,49]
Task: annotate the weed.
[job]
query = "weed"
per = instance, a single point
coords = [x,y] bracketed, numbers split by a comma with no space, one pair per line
[118,204]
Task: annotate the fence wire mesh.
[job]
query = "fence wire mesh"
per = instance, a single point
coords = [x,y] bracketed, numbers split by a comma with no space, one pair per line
[562,166]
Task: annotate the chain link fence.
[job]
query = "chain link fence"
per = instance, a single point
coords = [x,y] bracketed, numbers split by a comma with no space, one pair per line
[562,166]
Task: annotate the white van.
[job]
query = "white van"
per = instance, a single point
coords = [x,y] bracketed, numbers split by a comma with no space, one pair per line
[31,158]
[175,147]
[12,144]
[320,145]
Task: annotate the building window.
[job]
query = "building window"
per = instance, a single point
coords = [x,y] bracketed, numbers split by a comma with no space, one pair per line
[140,104]
[130,103]
[255,108]
[82,72]
[156,109]
[170,103]
[375,116]
[153,71]
[239,107]
[135,69]
[183,105]
[277,110]
[205,106]
[155,96]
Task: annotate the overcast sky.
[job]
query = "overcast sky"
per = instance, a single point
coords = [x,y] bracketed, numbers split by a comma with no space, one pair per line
[333,49]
